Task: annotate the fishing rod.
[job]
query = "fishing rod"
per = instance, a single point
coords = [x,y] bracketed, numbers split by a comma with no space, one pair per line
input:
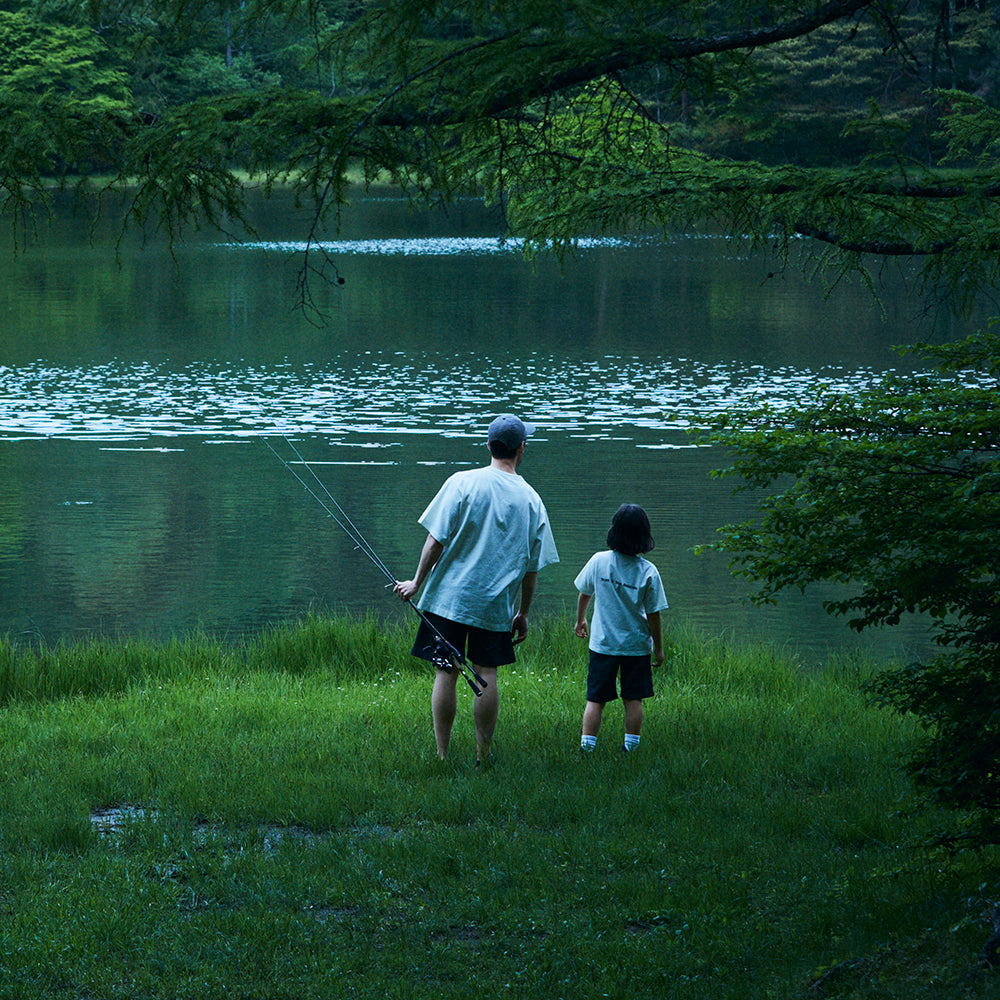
[444,655]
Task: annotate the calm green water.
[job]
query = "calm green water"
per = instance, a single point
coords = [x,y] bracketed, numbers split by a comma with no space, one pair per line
[136,494]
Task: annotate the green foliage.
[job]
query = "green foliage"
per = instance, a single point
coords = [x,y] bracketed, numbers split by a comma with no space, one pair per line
[38,57]
[770,122]
[63,100]
[894,493]
[808,100]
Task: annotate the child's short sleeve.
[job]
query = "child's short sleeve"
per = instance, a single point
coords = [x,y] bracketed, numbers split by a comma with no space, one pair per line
[654,598]
[585,580]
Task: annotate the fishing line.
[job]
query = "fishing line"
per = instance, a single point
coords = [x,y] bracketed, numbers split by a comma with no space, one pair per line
[445,655]
[345,523]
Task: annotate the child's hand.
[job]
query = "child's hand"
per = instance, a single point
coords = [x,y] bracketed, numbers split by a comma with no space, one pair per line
[581,629]
[657,657]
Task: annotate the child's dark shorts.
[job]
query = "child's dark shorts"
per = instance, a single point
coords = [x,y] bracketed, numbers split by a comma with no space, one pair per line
[485,648]
[636,677]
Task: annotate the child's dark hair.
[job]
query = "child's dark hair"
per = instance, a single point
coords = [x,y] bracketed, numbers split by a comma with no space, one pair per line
[630,533]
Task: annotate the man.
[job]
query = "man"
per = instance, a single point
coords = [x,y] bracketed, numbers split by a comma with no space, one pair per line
[488,536]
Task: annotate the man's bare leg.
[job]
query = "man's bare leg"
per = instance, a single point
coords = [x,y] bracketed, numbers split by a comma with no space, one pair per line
[444,701]
[485,711]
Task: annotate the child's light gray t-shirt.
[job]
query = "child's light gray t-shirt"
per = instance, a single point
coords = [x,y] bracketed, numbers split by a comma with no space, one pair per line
[625,589]
[494,529]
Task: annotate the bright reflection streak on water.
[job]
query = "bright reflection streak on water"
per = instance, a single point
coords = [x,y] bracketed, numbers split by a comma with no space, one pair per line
[431,247]
[381,397]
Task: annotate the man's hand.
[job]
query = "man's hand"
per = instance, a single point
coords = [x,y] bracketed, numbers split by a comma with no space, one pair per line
[581,628]
[429,555]
[519,628]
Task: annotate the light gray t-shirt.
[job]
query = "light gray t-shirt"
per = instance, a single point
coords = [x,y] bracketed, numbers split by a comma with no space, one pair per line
[625,589]
[494,529]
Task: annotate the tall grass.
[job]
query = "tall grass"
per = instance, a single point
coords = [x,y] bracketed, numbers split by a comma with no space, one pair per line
[286,830]
[352,648]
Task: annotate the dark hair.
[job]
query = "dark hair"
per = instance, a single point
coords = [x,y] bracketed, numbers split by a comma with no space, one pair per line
[499,450]
[630,533]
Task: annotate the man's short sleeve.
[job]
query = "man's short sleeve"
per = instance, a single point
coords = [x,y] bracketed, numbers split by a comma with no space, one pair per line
[442,513]
[542,551]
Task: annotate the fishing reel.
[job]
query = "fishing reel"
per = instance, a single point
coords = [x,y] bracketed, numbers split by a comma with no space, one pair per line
[445,657]
[442,655]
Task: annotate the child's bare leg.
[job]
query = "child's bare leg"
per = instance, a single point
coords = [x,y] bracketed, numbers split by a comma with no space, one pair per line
[633,722]
[591,724]
[633,716]
[592,715]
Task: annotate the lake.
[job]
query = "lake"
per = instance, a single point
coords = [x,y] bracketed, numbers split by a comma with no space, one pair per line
[138,383]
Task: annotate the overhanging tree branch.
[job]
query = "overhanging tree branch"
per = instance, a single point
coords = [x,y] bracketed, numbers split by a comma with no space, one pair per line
[879,248]
[616,55]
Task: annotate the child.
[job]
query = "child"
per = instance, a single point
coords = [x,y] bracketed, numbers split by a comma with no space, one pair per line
[628,598]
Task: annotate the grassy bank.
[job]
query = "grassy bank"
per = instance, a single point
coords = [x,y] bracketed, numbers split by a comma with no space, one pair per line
[267,819]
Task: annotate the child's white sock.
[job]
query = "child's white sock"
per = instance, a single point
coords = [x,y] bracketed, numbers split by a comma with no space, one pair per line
[588,743]
[631,741]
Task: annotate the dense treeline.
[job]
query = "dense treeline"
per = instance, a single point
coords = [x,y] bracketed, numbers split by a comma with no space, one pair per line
[797,101]
[830,97]
[771,120]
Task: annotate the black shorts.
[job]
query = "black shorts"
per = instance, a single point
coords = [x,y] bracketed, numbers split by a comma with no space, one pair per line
[636,674]
[482,647]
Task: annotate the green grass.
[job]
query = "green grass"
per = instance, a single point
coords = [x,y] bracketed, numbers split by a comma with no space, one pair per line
[287,831]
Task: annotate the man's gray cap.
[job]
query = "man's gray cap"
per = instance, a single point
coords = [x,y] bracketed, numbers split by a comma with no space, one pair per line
[510,430]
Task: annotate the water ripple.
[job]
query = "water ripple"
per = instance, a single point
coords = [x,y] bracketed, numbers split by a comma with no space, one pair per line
[384,397]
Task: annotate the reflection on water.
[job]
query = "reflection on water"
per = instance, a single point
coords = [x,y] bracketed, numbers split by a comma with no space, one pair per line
[434,246]
[135,495]
[373,396]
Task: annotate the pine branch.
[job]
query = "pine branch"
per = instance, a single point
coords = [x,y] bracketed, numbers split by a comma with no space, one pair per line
[883,249]
[616,58]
